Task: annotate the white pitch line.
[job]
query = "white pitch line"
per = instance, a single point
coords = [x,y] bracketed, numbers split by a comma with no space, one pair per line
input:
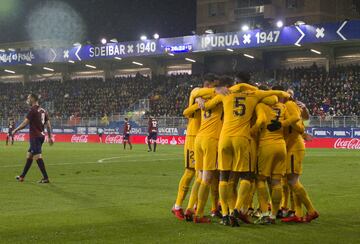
[92,162]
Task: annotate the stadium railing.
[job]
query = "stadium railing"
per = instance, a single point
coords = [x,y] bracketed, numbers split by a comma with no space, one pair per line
[178,122]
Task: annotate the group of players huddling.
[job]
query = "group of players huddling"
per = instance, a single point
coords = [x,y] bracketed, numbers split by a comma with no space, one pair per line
[243,139]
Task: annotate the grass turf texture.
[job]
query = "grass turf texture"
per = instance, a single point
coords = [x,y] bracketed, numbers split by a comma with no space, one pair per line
[127,199]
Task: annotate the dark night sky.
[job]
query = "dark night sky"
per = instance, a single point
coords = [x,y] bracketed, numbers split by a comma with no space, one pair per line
[122,19]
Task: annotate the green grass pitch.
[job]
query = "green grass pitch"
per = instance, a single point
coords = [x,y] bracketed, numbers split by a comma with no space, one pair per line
[127,197]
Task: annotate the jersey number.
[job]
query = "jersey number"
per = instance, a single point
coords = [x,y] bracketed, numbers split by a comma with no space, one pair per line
[278,113]
[207,114]
[239,106]
[154,124]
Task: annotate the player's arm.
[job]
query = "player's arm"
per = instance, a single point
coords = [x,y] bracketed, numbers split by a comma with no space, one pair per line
[243,87]
[202,92]
[49,131]
[213,102]
[305,114]
[21,126]
[189,111]
[289,119]
[292,110]
[262,94]
[260,118]
[271,100]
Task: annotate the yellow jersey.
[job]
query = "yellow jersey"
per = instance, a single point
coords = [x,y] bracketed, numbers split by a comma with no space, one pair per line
[194,116]
[293,134]
[265,115]
[239,107]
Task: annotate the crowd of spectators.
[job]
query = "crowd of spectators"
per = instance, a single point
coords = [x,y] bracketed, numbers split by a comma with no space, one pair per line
[333,93]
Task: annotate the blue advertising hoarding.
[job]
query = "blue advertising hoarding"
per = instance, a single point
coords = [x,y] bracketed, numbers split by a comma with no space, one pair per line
[286,36]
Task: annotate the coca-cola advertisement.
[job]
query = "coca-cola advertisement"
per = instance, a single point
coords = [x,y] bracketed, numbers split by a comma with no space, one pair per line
[79,139]
[114,139]
[347,143]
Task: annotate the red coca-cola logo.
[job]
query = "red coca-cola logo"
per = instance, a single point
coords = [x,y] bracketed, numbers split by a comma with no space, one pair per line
[347,143]
[19,137]
[79,139]
[110,139]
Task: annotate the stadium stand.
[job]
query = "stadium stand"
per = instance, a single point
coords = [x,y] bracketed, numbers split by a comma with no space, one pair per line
[333,93]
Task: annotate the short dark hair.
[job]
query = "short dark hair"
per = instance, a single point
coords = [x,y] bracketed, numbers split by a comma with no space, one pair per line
[243,77]
[226,80]
[34,96]
[126,119]
[210,77]
[263,87]
[278,88]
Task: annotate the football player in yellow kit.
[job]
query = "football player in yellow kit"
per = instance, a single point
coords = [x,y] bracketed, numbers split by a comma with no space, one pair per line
[295,156]
[271,154]
[234,149]
[194,121]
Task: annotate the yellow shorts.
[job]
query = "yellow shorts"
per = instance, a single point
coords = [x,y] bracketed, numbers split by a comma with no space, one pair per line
[253,150]
[234,154]
[206,153]
[271,160]
[189,152]
[294,161]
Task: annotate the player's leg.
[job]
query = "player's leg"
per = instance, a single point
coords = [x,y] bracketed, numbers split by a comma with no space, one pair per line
[40,162]
[154,141]
[209,147]
[225,161]
[149,143]
[12,139]
[198,178]
[186,178]
[29,160]
[245,167]
[7,139]
[124,144]
[129,142]
[203,195]
[214,195]
[300,194]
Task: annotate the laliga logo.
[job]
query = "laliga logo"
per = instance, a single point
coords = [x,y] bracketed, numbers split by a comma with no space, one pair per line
[79,139]
[113,139]
[173,141]
[347,143]
[19,137]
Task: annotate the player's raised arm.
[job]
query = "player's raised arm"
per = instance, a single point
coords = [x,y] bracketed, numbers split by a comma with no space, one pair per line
[202,92]
[21,126]
[189,111]
[260,118]
[213,102]
[271,100]
[243,87]
[289,119]
[293,111]
[262,94]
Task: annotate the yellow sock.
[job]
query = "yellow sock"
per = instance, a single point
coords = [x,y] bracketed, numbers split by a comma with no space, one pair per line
[243,193]
[202,198]
[292,200]
[194,194]
[249,201]
[223,192]
[302,195]
[231,199]
[214,189]
[285,193]
[297,205]
[276,194]
[184,186]
[263,195]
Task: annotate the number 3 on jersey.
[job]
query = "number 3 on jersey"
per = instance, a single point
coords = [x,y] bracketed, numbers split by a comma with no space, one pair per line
[239,106]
